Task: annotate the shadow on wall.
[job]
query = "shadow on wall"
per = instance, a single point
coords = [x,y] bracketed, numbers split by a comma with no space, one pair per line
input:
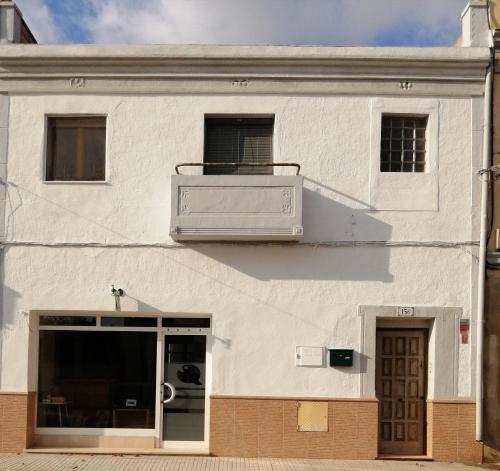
[363,361]
[141,306]
[10,318]
[10,315]
[14,203]
[325,221]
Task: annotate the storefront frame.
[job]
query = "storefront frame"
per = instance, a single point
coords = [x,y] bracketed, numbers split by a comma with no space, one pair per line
[146,438]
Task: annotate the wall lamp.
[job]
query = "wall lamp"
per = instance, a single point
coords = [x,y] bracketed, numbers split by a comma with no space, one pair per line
[117,293]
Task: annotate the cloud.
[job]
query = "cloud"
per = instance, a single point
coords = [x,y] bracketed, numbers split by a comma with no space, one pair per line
[322,22]
[40,20]
[294,22]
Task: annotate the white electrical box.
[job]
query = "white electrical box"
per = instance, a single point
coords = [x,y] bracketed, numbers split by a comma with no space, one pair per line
[310,356]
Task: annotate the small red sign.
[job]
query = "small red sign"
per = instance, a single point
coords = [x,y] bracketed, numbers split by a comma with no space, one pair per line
[464,326]
[464,330]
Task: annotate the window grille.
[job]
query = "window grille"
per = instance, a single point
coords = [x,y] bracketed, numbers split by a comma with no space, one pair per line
[403,144]
[238,140]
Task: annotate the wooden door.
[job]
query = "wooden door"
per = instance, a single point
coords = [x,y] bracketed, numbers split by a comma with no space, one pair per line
[401,390]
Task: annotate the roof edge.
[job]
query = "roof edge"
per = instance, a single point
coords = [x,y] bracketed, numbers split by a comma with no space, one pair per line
[216,52]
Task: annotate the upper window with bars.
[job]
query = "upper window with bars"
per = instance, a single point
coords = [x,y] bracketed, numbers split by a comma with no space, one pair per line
[235,141]
[403,144]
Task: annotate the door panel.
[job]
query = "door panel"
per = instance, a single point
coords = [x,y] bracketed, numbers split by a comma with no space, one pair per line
[401,390]
[184,379]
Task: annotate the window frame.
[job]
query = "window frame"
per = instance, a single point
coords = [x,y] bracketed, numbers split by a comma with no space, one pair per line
[402,140]
[233,116]
[404,191]
[34,361]
[118,431]
[46,148]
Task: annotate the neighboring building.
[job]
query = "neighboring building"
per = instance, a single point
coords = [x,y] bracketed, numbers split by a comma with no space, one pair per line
[492,312]
[329,314]
[13,29]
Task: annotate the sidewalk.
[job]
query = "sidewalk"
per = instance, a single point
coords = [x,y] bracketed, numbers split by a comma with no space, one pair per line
[46,462]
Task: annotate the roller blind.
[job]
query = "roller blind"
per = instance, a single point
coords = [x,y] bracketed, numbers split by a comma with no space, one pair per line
[238,140]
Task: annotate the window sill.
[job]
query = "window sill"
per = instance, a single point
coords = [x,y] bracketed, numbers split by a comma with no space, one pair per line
[76,182]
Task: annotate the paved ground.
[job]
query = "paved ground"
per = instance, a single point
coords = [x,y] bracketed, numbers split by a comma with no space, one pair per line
[46,462]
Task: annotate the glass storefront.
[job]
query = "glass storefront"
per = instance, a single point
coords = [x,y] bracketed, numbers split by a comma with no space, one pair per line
[144,374]
[96,379]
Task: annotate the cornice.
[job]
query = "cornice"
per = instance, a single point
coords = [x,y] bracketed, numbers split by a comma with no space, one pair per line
[209,60]
[247,69]
[192,52]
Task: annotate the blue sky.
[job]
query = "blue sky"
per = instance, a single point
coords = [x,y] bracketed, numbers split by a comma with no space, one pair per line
[294,22]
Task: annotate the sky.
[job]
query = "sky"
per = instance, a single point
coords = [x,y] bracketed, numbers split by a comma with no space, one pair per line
[278,22]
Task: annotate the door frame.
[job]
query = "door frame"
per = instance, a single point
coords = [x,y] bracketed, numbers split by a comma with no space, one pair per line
[425,331]
[186,446]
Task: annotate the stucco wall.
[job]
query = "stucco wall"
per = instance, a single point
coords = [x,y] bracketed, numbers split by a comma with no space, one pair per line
[264,299]
[147,136]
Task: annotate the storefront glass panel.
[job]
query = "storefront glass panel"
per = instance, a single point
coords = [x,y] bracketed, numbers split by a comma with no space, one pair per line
[75,321]
[96,379]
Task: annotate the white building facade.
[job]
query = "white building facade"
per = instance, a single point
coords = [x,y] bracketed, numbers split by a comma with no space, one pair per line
[325,314]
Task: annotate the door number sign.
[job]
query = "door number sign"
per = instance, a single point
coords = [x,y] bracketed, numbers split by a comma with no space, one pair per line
[406,311]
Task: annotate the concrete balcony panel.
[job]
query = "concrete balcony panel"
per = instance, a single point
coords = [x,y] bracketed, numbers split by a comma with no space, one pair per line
[236,208]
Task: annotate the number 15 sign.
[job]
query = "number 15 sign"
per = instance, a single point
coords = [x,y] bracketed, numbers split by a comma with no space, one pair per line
[406,311]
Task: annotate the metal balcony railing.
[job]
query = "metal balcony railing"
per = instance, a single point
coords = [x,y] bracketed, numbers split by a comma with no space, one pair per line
[234,164]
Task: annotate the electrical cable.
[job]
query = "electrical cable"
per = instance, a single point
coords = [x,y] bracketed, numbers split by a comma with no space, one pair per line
[325,243]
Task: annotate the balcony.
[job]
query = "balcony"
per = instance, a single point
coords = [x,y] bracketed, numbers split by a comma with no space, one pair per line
[236,207]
